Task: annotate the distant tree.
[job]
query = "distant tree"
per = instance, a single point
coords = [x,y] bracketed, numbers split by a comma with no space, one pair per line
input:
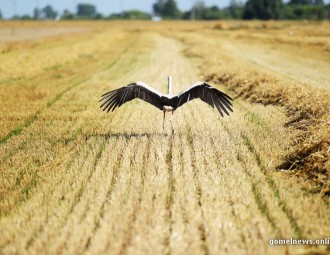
[98,16]
[167,9]
[297,2]
[306,2]
[212,13]
[26,17]
[36,13]
[135,14]
[327,8]
[235,9]
[186,15]
[171,10]
[114,16]
[48,12]
[0,14]
[198,10]
[15,17]
[305,9]
[158,7]
[263,9]
[253,9]
[86,11]
[205,13]
[318,2]
[274,9]
[316,12]
[67,15]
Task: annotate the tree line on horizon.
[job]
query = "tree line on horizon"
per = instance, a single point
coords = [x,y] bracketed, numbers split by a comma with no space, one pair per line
[168,9]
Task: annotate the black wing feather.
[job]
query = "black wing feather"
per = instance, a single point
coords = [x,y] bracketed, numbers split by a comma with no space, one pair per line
[209,95]
[116,98]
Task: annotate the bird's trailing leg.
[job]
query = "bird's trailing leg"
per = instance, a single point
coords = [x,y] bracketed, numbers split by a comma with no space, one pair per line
[164,123]
[172,124]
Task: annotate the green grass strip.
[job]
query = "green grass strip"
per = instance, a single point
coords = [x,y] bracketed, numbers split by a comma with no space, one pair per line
[19,129]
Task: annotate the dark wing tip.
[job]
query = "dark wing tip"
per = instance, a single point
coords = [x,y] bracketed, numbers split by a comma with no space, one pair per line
[227,96]
[222,102]
[108,100]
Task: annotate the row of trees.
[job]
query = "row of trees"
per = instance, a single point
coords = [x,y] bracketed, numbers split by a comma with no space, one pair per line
[84,11]
[295,9]
[168,9]
[262,9]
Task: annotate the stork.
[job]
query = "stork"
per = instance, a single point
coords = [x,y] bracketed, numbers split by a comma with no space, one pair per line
[167,103]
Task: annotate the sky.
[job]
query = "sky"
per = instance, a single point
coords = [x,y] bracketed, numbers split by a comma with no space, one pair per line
[20,7]
[10,7]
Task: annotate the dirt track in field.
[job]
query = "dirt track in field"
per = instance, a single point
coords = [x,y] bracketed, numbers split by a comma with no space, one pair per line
[23,34]
[75,180]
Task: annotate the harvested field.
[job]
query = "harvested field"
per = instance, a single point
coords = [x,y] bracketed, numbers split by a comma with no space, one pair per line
[75,180]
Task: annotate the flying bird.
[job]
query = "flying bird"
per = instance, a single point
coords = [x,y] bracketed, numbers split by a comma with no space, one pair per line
[167,103]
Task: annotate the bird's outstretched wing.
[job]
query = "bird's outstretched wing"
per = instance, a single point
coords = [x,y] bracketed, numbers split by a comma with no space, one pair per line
[115,98]
[208,94]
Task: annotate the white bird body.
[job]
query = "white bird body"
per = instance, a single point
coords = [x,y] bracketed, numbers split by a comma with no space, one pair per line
[167,103]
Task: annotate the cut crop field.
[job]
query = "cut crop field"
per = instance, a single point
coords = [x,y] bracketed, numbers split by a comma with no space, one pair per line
[77,180]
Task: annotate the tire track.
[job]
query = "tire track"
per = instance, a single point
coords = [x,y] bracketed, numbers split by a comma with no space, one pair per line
[105,140]
[44,224]
[66,164]
[272,185]
[25,192]
[262,204]
[108,196]
[182,170]
[201,228]
[169,195]
[114,180]
[78,194]
[258,198]
[230,202]
[28,241]
[128,239]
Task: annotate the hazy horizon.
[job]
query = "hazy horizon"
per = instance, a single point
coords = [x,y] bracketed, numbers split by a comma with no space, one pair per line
[9,8]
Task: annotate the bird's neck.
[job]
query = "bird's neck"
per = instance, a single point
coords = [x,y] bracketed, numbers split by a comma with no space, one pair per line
[169,85]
